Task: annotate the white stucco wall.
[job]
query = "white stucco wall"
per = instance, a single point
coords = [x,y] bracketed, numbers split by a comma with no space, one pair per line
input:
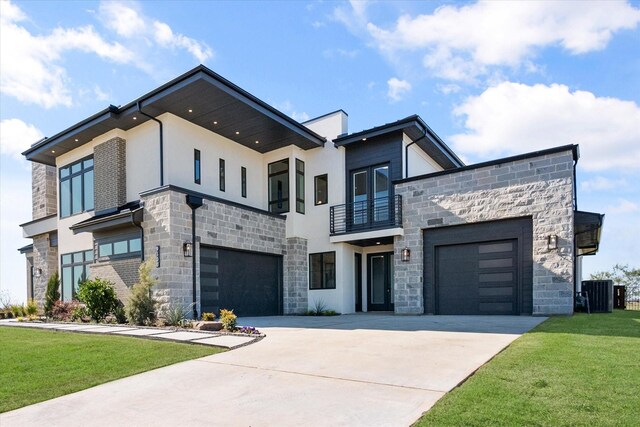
[420,163]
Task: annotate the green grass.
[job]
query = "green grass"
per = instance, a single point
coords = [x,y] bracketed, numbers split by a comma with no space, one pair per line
[582,370]
[37,365]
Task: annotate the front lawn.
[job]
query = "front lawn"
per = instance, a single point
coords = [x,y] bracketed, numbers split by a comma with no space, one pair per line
[582,370]
[37,365]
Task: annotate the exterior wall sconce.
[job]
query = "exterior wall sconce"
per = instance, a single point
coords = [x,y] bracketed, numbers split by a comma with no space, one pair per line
[187,249]
[37,272]
[405,256]
[552,242]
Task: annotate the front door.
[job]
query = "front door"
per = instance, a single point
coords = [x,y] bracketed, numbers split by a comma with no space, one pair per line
[380,282]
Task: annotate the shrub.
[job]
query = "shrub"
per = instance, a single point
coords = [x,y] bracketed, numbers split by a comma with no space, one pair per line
[32,308]
[52,294]
[176,314]
[228,320]
[79,313]
[99,296]
[63,311]
[141,309]
[17,310]
[208,317]
[319,307]
[249,330]
[119,313]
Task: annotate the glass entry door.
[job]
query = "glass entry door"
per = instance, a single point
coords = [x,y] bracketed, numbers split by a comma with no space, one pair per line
[381,194]
[360,191]
[370,192]
[380,282]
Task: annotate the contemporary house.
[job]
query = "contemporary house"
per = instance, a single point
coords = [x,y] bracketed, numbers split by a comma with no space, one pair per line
[239,206]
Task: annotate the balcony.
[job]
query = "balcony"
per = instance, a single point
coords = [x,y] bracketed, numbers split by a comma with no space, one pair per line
[367,215]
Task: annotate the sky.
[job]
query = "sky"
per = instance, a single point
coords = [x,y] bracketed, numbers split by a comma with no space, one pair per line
[492,79]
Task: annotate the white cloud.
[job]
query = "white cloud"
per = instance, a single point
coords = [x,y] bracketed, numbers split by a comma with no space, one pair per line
[600,183]
[397,89]
[345,53]
[514,118]
[165,37]
[623,206]
[16,136]
[100,94]
[288,108]
[29,69]
[124,20]
[464,42]
[447,89]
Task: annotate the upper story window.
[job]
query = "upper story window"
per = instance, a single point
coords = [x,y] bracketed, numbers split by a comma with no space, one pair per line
[196,166]
[129,246]
[221,171]
[76,187]
[321,190]
[279,186]
[299,186]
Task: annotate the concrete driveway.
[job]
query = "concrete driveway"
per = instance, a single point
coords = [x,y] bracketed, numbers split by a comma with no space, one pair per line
[365,369]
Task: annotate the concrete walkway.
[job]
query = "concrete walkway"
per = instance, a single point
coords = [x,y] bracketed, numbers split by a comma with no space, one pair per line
[353,370]
[194,337]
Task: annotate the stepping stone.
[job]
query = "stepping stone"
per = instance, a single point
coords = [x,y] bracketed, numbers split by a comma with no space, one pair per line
[184,336]
[142,332]
[228,341]
[106,329]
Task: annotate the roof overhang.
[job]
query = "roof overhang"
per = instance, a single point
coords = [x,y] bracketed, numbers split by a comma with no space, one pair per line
[40,226]
[110,221]
[418,131]
[201,97]
[587,229]
[26,249]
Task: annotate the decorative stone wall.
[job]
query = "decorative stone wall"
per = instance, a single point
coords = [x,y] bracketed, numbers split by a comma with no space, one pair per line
[296,279]
[123,273]
[540,187]
[45,257]
[167,223]
[110,174]
[44,190]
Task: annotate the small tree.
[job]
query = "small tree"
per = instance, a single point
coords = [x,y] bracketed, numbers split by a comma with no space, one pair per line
[141,309]
[99,296]
[622,275]
[53,293]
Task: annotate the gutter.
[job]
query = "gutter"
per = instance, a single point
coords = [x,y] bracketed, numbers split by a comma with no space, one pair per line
[161,142]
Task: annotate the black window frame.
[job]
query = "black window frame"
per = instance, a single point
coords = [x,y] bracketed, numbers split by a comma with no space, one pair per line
[221,173]
[75,282]
[279,202]
[69,177]
[197,166]
[315,190]
[323,284]
[300,193]
[112,240]
[243,182]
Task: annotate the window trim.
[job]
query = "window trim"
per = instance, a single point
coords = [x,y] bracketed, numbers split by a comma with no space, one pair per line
[284,199]
[300,190]
[116,239]
[243,182]
[221,174]
[69,178]
[315,190]
[322,272]
[197,166]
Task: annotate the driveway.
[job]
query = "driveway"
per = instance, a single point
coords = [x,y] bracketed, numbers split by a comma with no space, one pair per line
[364,369]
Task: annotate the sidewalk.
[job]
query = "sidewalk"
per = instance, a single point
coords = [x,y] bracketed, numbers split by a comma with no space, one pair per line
[217,339]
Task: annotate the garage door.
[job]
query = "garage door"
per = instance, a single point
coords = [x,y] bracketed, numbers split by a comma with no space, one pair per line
[478,278]
[482,268]
[250,283]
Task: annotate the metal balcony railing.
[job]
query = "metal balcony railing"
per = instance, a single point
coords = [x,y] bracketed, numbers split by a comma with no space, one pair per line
[372,214]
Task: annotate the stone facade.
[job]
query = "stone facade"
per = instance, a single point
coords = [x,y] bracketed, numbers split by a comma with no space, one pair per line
[123,273]
[296,279]
[45,257]
[540,187]
[44,190]
[110,174]
[167,224]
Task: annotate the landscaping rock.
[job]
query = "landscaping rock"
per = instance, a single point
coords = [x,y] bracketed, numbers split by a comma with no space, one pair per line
[207,325]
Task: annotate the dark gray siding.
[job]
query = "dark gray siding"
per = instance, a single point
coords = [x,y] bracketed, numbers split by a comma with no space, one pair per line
[374,151]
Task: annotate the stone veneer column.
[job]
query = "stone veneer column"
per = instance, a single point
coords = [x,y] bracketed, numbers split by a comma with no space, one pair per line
[110,174]
[45,257]
[540,188]
[296,266]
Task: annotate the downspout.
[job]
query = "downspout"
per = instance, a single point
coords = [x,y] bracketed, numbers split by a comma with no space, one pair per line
[161,143]
[575,208]
[138,225]
[406,154]
[194,203]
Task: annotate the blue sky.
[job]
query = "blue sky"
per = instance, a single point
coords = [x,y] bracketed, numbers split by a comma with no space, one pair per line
[491,78]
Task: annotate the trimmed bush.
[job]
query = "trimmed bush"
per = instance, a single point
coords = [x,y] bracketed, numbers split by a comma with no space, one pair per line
[99,296]
[208,317]
[228,320]
[141,309]
[52,294]
[63,311]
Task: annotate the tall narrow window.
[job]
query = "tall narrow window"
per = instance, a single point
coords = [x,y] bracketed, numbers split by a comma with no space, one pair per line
[76,188]
[222,184]
[321,190]
[279,186]
[75,269]
[243,181]
[299,186]
[196,166]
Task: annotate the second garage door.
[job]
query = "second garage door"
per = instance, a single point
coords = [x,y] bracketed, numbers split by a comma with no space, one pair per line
[482,268]
[250,283]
